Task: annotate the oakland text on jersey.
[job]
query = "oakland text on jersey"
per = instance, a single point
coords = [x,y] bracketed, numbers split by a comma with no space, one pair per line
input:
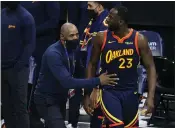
[111,55]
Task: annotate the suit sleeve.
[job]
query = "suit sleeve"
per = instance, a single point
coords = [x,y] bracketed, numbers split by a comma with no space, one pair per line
[60,72]
[53,11]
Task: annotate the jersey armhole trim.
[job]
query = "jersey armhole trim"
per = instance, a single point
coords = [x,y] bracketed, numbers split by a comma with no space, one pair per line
[104,40]
[136,43]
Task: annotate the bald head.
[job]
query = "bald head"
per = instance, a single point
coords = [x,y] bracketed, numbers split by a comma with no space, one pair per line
[69,32]
[65,28]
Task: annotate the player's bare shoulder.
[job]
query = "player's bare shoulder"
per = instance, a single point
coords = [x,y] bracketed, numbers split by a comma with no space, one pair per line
[142,40]
[101,33]
[99,37]
[141,37]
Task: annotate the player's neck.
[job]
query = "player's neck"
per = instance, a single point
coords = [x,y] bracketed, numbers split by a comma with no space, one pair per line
[123,31]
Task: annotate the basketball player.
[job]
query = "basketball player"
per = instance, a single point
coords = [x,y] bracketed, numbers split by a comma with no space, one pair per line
[120,49]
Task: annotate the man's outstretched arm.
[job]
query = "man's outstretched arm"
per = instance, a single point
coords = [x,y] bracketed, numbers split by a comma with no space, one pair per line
[60,72]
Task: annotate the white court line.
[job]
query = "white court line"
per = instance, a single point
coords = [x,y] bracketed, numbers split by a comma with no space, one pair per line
[66,122]
[79,123]
[142,124]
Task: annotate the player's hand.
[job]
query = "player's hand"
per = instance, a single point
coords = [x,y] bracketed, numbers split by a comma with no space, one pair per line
[94,97]
[109,79]
[87,105]
[149,104]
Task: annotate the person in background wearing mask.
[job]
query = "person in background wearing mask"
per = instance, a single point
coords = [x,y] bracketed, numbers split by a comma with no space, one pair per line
[18,43]
[58,64]
[97,12]
[46,15]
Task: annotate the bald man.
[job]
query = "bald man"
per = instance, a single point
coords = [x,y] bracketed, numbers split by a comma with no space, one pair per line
[56,77]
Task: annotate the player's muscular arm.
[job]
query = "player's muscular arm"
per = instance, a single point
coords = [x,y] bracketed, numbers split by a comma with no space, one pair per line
[97,42]
[148,61]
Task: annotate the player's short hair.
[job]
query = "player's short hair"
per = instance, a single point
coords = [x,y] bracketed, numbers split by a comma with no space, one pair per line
[123,13]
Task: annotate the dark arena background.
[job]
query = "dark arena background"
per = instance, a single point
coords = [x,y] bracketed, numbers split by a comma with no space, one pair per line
[155,19]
